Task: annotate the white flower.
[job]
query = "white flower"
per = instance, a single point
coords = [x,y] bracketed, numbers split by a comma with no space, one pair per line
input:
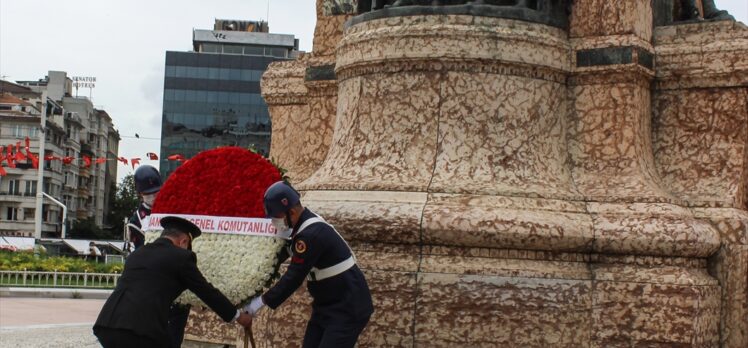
[239,266]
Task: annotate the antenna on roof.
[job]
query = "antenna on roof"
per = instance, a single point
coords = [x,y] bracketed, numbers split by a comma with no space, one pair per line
[267,17]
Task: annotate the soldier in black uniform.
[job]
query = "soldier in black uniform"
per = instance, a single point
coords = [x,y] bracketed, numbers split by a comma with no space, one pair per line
[135,314]
[341,305]
[148,184]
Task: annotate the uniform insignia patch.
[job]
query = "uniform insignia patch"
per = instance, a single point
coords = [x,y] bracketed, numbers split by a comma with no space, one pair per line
[300,246]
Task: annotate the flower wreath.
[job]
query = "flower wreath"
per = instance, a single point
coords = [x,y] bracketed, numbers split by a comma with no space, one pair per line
[225,182]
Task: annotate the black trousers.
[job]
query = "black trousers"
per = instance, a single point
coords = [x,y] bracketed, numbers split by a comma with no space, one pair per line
[177,321]
[120,338]
[343,335]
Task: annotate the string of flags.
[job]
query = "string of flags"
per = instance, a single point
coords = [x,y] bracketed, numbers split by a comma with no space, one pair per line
[14,154]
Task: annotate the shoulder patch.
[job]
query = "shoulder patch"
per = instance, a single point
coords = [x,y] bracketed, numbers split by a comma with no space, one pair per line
[300,246]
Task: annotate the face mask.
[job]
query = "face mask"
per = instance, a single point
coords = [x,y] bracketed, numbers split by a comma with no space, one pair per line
[149,199]
[280,224]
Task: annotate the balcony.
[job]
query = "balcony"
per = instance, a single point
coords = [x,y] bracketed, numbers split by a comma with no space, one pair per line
[81,214]
[83,192]
[17,197]
[85,172]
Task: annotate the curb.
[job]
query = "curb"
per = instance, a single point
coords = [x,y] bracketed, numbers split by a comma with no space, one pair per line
[96,294]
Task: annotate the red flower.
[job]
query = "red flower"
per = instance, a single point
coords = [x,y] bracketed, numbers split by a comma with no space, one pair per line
[227,181]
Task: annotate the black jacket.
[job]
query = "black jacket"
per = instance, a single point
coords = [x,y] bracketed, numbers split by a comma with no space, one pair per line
[343,298]
[153,277]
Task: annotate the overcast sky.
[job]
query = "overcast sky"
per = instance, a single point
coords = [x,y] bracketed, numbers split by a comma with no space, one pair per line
[122,44]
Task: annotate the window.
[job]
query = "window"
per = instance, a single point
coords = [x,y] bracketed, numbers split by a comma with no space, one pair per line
[28,213]
[11,214]
[224,74]
[211,48]
[181,71]
[18,130]
[253,50]
[278,52]
[30,188]
[232,49]
[171,71]
[33,132]
[14,187]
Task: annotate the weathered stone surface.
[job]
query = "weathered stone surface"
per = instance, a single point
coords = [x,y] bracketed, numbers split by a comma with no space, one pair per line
[513,128]
[653,311]
[651,229]
[702,55]
[457,310]
[609,137]
[504,186]
[504,222]
[603,18]
[700,144]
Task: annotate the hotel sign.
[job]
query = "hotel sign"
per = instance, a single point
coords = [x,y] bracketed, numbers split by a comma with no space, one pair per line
[84,81]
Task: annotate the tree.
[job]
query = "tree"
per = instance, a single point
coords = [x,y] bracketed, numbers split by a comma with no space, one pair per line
[87,229]
[123,205]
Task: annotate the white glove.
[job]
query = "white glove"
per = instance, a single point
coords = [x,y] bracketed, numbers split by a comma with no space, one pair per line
[254,306]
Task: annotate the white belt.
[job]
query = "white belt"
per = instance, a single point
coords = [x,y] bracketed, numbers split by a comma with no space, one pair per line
[319,274]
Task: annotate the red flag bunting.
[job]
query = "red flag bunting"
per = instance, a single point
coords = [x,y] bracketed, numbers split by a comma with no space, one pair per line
[100,160]
[2,171]
[34,160]
[87,160]
[135,161]
[152,156]
[176,157]
[20,157]
[9,156]
[123,160]
[67,160]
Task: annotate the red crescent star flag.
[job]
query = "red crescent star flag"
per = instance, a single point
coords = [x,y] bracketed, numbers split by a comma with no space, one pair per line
[123,160]
[152,156]
[20,157]
[135,161]
[176,157]
[87,160]
[9,156]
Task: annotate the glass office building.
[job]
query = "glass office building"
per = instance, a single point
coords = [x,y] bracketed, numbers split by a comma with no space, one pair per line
[212,94]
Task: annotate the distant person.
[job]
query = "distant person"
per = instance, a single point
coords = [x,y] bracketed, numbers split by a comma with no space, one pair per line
[147,185]
[135,315]
[92,252]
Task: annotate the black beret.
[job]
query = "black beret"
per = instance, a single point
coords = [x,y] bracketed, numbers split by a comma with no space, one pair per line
[181,225]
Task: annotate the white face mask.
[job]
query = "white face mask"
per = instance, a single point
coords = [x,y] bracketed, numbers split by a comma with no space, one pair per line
[149,199]
[280,224]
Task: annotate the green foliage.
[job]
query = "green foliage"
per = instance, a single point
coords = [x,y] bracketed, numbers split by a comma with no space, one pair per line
[87,229]
[123,204]
[18,261]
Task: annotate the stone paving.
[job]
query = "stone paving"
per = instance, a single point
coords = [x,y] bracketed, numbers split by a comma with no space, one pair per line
[53,323]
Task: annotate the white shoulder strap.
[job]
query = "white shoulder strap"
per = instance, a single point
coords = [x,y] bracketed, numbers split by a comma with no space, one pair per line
[317,219]
[309,222]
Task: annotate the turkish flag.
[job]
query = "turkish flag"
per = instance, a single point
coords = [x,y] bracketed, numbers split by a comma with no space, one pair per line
[100,160]
[9,156]
[176,157]
[123,160]
[152,156]
[135,161]
[87,160]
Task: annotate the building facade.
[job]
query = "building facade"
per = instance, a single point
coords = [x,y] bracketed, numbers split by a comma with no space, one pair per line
[75,130]
[212,94]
